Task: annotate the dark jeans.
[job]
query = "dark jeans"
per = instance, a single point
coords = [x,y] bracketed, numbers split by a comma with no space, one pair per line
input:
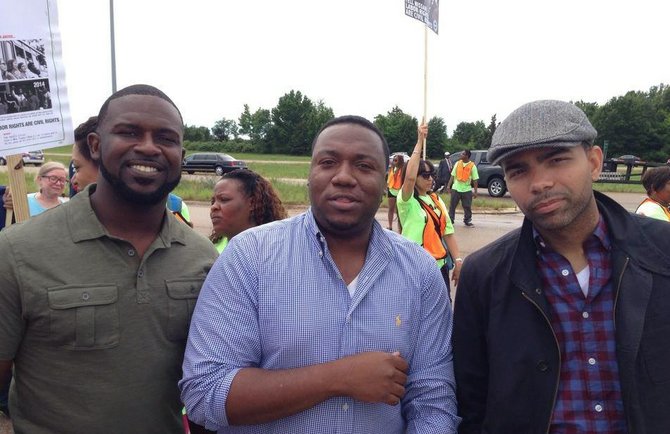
[445,276]
[467,205]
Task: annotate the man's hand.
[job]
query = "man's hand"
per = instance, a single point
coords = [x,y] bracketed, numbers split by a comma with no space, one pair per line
[375,377]
[7,199]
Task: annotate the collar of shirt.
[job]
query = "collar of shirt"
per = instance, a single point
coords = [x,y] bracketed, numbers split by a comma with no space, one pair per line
[84,224]
[600,236]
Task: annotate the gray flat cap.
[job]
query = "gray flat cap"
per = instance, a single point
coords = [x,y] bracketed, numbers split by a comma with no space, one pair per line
[540,124]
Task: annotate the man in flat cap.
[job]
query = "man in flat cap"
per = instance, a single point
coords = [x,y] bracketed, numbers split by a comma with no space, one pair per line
[535,344]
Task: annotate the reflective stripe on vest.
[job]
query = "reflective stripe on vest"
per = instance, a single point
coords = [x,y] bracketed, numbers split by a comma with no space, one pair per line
[394,179]
[463,171]
[432,232]
[665,209]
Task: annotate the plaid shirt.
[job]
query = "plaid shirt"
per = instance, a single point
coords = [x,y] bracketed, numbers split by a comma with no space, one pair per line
[589,393]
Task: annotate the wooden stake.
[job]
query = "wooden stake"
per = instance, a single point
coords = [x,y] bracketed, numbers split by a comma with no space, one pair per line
[17,186]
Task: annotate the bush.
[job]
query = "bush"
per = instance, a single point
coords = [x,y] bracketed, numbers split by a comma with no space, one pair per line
[231,146]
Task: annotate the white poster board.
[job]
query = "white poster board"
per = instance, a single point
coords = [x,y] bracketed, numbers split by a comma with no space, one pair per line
[34,109]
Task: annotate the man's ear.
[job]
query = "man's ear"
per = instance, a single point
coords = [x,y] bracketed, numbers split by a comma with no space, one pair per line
[183,153]
[93,141]
[595,157]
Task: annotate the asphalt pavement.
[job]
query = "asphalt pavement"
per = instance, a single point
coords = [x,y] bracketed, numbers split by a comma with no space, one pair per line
[489,225]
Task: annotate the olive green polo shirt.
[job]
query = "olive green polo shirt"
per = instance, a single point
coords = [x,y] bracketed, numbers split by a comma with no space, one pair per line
[97,334]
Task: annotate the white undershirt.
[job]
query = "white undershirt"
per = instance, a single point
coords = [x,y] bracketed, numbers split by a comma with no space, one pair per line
[354,283]
[583,279]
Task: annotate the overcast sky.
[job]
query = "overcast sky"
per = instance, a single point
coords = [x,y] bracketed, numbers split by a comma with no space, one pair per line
[364,56]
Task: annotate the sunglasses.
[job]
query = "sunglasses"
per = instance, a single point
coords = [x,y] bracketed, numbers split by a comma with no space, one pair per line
[426,175]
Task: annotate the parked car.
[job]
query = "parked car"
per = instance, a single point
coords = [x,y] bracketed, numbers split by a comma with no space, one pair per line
[216,162]
[35,158]
[628,159]
[491,176]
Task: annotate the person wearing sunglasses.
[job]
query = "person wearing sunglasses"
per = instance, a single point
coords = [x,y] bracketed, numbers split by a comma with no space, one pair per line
[423,214]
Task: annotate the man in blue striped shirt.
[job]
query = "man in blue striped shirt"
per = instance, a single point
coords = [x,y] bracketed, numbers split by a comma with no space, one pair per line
[325,322]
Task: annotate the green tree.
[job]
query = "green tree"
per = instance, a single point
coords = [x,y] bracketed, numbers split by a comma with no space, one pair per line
[245,121]
[291,121]
[399,129]
[261,121]
[196,134]
[471,135]
[437,138]
[491,129]
[225,129]
[630,124]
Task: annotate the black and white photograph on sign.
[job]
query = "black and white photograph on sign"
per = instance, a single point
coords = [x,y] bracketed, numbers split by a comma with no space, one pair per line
[24,96]
[22,60]
[426,11]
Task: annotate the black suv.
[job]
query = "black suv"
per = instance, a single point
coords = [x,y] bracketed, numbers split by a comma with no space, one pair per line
[211,162]
[491,176]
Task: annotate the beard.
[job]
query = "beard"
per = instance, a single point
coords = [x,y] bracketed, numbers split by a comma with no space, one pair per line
[130,195]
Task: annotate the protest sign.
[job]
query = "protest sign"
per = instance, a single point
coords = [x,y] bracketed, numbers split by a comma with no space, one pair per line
[34,109]
[426,11]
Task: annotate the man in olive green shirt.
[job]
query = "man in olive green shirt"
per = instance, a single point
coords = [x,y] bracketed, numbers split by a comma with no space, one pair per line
[96,295]
[463,187]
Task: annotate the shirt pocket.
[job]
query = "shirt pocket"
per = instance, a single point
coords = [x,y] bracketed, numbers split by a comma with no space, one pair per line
[84,317]
[182,295]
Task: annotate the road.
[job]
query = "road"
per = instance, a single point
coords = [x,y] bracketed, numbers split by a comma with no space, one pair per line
[489,226]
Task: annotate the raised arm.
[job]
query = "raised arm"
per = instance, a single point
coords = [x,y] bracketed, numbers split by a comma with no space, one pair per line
[412,168]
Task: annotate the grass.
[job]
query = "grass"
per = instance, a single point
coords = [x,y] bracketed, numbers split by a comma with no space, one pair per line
[608,187]
[201,190]
[292,194]
[276,170]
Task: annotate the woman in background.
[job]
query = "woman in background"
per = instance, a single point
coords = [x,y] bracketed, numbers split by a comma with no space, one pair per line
[423,214]
[656,182]
[51,179]
[394,182]
[241,200]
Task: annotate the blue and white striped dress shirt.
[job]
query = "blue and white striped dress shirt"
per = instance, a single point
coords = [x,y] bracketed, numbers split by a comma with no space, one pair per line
[275,300]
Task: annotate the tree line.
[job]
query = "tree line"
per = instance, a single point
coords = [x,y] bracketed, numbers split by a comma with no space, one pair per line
[636,123]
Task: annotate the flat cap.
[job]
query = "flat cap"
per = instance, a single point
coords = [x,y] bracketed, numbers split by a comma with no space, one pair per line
[546,123]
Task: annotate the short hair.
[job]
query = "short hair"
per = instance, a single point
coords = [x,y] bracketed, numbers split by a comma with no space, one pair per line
[266,206]
[467,152]
[136,89]
[48,167]
[80,135]
[356,120]
[655,178]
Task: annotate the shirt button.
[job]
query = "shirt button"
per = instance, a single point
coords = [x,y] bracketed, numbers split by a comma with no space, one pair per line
[565,272]
[585,314]
[140,273]
[542,366]
[131,252]
[345,407]
[598,408]
[592,361]
[538,291]
[85,296]
[320,254]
